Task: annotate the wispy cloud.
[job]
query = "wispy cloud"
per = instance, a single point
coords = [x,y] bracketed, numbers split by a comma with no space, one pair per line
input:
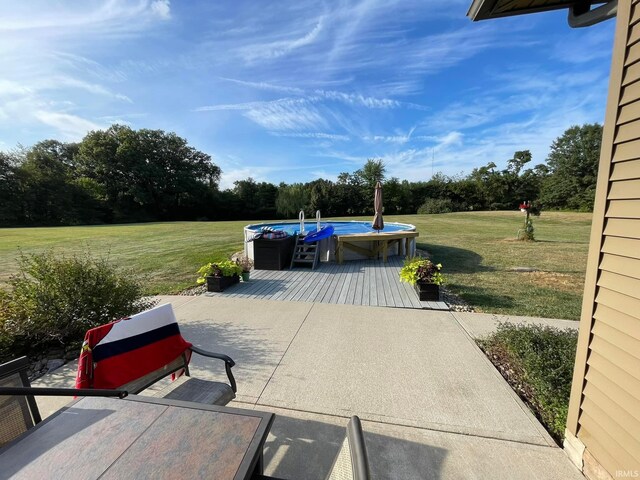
[313,135]
[71,126]
[357,99]
[287,115]
[38,15]
[279,48]
[161,8]
[266,86]
[311,83]
[54,85]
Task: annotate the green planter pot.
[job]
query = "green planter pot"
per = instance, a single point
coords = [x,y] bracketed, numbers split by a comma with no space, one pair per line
[428,292]
[219,284]
[245,276]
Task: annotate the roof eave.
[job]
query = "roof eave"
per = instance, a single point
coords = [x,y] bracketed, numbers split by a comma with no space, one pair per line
[480,6]
[483,10]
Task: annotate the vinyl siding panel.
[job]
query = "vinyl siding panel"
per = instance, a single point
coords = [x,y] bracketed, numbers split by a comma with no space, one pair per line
[605,404]
[624,209]
[618,301]
[625,342]
[612,371]
[623,399]
[634,34]
[620,283]
[626,151]
[620,265]
[615,420]
[620,321]
[635,14]
[610,435]
[624,189]
[629,112]
[630,93]
[625,170]
[632,74]
[625,247]
[626,362]
[628,131]
[633,54]
[619,227]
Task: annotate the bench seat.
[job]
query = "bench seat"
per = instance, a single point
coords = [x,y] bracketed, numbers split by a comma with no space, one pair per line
[197,390]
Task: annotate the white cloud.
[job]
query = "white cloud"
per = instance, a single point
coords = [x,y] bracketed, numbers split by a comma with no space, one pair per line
[282,114]
[313,135]
[72,127]
[266,86]
[289,114]
[52,86]
[272,50]
[65,82]
[324,174]
[61,20]
[161,8]
[230,106]
[357,99]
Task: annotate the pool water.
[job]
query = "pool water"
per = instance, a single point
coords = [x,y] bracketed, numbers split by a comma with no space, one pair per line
[340,228]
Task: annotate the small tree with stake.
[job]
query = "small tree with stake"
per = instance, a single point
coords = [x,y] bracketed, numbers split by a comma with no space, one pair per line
[526,234]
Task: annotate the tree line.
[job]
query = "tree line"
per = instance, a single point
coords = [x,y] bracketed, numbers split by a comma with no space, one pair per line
[123,175]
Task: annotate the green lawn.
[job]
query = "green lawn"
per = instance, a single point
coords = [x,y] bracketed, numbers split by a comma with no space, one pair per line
[476,249]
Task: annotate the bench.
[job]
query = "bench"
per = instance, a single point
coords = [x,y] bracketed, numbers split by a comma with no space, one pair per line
[380,241]
[186,387]
[135,353]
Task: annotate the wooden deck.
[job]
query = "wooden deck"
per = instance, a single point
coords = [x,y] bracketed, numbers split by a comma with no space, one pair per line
[361,282]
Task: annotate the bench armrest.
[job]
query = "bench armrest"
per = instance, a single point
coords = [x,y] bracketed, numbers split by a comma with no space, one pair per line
[63,392]
[228,363]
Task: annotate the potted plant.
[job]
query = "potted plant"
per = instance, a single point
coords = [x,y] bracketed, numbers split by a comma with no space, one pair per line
[425,276]
[246,264]
[219,275]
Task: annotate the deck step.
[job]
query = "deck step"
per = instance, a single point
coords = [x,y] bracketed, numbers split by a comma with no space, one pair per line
[305,253]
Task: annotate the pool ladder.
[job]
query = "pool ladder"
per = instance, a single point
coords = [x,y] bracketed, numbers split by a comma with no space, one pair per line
[305,253]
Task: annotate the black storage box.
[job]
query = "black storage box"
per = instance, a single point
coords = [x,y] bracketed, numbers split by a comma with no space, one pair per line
[273,254]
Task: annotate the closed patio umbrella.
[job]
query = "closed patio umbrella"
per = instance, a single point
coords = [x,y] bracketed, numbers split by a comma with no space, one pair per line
[378,223]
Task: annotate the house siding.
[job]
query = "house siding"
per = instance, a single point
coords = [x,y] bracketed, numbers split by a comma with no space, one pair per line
[604,412]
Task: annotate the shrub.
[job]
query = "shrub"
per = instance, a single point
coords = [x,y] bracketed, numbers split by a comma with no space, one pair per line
[436,205]
[57,299]
[527,234]
[538,363]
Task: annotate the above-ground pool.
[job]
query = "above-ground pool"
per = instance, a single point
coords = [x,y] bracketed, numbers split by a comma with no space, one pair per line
[327,246]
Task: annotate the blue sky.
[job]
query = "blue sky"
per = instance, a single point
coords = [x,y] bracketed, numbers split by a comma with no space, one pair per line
[294,91]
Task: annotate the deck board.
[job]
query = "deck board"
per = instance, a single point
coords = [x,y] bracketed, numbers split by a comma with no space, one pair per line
[359,282]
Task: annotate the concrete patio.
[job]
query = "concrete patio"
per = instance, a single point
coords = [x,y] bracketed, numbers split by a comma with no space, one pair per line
[432,405]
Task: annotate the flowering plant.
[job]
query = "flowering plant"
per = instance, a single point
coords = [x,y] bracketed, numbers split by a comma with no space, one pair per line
[225,268]
[245,263]
[421,270]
